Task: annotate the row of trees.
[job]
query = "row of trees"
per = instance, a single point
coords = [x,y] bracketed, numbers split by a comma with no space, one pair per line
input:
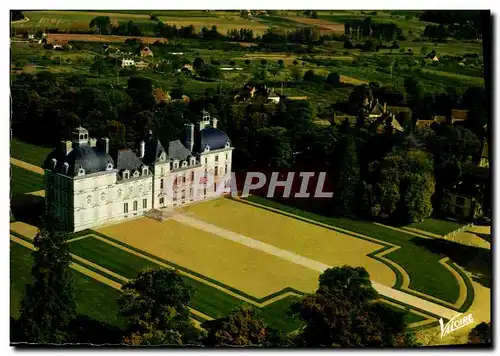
[367,28]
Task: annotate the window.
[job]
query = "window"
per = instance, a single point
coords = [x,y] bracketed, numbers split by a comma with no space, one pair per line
[136,174]
[184,164]
[135,205]
[161,183]
[216,171]
[226,156]
[126,174]
[161,170]
[216,158]
[215,187]
[460,201]
[225,169]
[162,201]
[192,176]
[145,171]
[205,191]
[144,203]
[125,208]
[206,160]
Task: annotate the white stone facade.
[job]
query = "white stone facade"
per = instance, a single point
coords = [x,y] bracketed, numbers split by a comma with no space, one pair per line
[87,200]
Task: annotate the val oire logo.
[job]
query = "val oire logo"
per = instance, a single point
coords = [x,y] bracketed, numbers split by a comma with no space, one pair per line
[457,322]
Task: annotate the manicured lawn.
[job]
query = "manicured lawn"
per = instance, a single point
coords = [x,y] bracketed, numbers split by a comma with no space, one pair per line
[436,226]
[28,153]
[208,300]
[24,181]
[427,275]
[93,298]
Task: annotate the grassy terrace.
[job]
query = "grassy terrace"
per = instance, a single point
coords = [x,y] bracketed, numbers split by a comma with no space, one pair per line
[24,181]
[427,275]
[436,226]
[93,298]
[208,300]
[27,152]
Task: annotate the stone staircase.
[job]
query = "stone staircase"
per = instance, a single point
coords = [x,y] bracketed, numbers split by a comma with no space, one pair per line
[164,214]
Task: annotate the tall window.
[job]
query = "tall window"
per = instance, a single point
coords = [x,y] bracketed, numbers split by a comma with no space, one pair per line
[161,183]
[162,200]
[216,158]
[125,208]
[206,160]
[216,171]
[135,205]
[192,176]
[225,169]
[144,203]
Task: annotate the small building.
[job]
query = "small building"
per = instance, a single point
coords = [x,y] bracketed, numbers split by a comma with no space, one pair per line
[186,68]
[127,63]
[146,52]
[273,97]
[435,59]
[142,65]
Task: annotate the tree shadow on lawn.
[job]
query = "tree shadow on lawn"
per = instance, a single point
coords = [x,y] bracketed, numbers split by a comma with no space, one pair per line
[475,260]
[485,237]
[27,208]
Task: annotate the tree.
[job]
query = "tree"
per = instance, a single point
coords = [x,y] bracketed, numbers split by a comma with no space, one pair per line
[242,327]
[309,75]
[198,63]
[263,62]
[156,305]
[100,66]
[314,15]
[369,46]
[281,64]
[209,71]
[344,312]
[333,79]
[295,62]
[101,24]
[424,50]
[48,305]
[480,335]
[247,62]
[345,194]
[272,147]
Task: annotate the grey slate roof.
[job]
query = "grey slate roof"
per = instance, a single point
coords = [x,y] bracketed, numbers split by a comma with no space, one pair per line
[176,150]
[81,156]
[127,159]
[153,150]
[211,136]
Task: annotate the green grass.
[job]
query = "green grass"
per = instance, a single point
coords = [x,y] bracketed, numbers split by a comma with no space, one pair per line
[427,275]
[206,299]
[93,298]
[24,181]
[28,153]
[437,226]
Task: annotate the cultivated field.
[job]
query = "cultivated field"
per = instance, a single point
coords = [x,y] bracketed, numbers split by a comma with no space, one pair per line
[254,272]
[317,243]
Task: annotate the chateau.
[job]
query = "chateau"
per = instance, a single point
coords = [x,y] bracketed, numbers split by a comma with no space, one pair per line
[88,186]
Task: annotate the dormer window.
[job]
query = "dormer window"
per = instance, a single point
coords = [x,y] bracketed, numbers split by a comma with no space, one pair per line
[109,166]
[54,163]
[176,164]
[136,174]
[163,156]
[192,161]
[81,172]
[227,144]
[207,148]
[126,174]
[184,164]
[144,171]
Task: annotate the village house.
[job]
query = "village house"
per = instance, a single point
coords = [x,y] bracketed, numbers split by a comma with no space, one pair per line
[127,63]
[142,65]
[87,186]
[146,52]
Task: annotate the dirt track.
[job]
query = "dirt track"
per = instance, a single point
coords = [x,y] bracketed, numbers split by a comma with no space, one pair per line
[64,37]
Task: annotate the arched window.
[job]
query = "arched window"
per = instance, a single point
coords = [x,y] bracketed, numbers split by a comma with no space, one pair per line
[81,172]
[207,148]
[109,166]
[184,164]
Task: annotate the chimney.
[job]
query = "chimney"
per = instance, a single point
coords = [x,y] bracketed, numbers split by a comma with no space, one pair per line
[214,122]
[385,107]
[142,149]
[189,136]
[103,145]
[92,142]
[201,125]
[67,146]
